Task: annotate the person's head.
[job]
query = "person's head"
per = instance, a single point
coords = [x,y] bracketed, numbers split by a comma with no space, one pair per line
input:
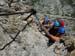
[61,22]
[46,20]
[56,24]
[61,30]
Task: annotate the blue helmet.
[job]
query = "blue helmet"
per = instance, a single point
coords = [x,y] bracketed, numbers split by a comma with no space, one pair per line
[46,20]
[61,30]
[56,23]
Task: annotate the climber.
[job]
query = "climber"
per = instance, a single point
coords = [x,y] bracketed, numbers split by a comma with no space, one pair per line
[45,23]
[55,33]
[53,29]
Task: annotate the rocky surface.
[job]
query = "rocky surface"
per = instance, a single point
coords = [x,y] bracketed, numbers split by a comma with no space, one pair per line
[31,42]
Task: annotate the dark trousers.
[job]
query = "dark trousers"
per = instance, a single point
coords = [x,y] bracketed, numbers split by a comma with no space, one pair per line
[50,41]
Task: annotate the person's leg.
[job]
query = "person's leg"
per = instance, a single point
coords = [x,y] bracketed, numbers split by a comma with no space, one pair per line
[50,41]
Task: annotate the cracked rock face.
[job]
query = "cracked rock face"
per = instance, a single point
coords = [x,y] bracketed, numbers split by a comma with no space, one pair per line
[30,42]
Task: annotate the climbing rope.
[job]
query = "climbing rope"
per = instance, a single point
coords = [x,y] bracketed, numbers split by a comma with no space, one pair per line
[14,38]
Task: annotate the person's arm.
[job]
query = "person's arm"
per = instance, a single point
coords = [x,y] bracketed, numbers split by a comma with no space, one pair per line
[51,36]
[47,25]
[41,22]
[60,35]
